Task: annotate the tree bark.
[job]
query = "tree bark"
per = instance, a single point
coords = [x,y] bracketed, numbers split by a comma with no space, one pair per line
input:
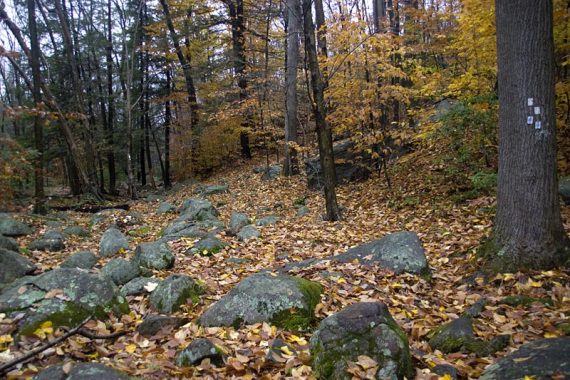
[39,202]
[111,109]
[324,134]
[528,227]
[291,163]
[167,119]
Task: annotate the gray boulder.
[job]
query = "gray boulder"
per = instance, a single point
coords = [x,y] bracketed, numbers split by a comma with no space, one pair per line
[401,252]
[120,271]
[51,241]
[173,292]
[166,208]
[302,211]
[364,328]
[110,215]
[284,301]
[248,232]
[267,220]
[76,231]
[82,260]
[9,243]
[156,255]
[212,189]
[238,220]
[112,242]
[153,324]
[197,351]
[137,285]
[543,359]
[270,173]
[198,209]
[13,266]
[564,190]
[208,246]
[75,294]
[12,227]
[81,371]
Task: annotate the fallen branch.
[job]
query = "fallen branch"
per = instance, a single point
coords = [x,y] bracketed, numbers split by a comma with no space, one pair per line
[77,330]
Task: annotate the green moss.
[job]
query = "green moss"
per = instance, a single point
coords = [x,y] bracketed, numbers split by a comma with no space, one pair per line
[525,301]
[297,319]
[69,315]
[140,232]
[564,327]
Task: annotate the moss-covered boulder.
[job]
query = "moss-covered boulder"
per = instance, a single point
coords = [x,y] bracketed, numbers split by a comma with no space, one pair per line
[82,260]
[166,208]
[198,209]
[364,328]
[212,189]
[120,271]
[12,227]
[238,220]
[525,301]
[13,266]
[156,255]
[83,371]
[207,246]
[112,242]
[248,232]
[51,241]
[458,335]
[284,301]
[139,286]
[173,292]
[197,351]
[268,220]
[76,231]
[73,295]
[9,243]
[564,190]
[543,359]
[153,324]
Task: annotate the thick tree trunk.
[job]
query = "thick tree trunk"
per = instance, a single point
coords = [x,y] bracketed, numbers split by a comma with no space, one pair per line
[167,119]
[111,114]
[323,131]
[291,163]
[528,227]
[39,202]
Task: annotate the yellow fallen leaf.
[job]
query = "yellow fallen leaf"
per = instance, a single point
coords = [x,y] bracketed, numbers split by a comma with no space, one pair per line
[131,348]
[529,377]
[44,330]
[6,339]
[550,335]
[447,376]
[341,281]
[366,362]
[286,350]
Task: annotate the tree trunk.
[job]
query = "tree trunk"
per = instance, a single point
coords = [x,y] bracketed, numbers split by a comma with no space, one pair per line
[528,227]
[323,131]
[167,119]
[186,68]
[291,163]
[238,44]
[39,202]
[111,114]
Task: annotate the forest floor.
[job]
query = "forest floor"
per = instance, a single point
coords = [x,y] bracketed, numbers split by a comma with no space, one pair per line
[450,233]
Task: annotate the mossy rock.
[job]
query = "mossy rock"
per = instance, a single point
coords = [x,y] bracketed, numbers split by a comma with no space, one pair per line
[156,255]
[364,328]
[13,266]
[173,292]
[83,371]
[284,301]
[197,351]
[208,246]
[525,301]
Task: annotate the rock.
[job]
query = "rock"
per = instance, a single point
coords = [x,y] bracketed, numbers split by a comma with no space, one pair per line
[543,359]
[238,220]
[79,294]
[442,107]
[83,371]
[271,173]
[284,301]
[248,232]
[457,335]
[166,208]
[154,197]
[82,260]
[446,369]
[302,211]
[110,215]
[51,241]
[112,242]
[207,246]
[364,328]
[154,255]
[9,243]
[120,271]
[348,166]
[76,231]
[173,292]
[152,324]
[12,227]
[197,351]
[401,252]
[212,189]
[198,209]
[564,190]
[137,286]
[13,266]
[525,301]
[475,310]
[54,223]
[238,260]
[267,220]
